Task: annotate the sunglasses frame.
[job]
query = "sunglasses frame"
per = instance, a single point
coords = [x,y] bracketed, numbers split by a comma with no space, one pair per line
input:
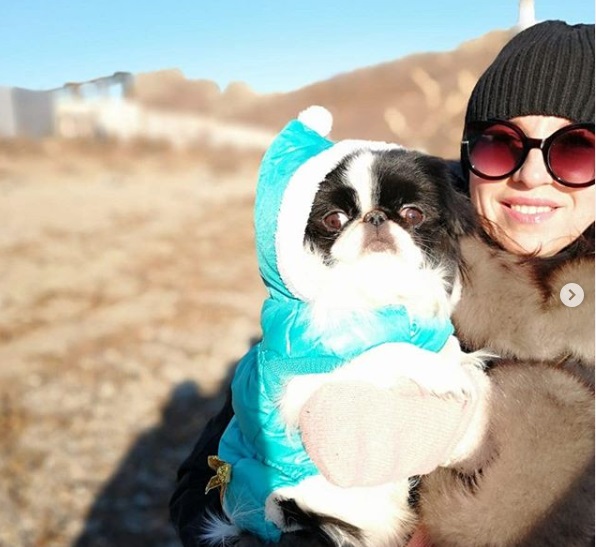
[528,144]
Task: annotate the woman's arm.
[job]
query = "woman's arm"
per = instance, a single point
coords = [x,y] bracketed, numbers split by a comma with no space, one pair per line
[189,503]
[538,487]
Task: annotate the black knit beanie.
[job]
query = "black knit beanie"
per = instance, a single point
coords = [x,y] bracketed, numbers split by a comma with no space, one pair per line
[547,69]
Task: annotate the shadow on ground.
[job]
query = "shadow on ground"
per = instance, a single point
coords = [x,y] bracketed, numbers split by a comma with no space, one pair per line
[132,508]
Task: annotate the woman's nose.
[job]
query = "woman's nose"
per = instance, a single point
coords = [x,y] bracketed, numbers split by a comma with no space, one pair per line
[533,172]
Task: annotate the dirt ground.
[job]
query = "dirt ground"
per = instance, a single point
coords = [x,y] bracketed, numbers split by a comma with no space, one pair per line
[128,288]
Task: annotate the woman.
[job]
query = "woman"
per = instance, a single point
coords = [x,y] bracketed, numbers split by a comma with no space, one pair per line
[533,480]
[528,159]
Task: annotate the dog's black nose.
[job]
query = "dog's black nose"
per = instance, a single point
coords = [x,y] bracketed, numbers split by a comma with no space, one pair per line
[375,217]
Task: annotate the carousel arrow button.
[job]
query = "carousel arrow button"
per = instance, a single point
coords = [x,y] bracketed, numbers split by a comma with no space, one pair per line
[572,295]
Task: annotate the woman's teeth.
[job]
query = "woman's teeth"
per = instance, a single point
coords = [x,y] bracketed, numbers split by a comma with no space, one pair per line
[531,209]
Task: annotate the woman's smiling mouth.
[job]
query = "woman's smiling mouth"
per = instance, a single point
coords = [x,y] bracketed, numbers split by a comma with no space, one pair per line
[529,211]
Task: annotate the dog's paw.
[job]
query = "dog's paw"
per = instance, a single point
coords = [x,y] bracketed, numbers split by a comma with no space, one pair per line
[283,511]
[387,365]
[295,394]
[448,380]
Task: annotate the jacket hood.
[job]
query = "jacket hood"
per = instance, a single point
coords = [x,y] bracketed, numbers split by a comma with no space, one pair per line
[291,171]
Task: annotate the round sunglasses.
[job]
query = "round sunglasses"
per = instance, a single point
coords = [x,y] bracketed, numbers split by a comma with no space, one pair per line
[496,149]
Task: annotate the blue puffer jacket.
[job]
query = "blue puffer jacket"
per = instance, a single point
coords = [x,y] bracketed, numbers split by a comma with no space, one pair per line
[263,456]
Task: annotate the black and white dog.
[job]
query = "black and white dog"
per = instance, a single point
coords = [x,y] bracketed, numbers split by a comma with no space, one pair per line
[386,226]
[384,230]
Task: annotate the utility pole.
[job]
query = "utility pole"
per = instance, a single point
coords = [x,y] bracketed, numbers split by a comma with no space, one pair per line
[527,15]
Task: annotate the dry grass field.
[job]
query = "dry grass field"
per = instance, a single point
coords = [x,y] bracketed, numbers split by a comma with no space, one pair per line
[128,288]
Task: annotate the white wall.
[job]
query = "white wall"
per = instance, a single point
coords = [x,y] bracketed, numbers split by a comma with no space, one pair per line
[26,113]
[34,112]
[7,124]
[124,120]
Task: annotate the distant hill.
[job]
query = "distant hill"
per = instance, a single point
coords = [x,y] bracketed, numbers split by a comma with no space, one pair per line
[418,100]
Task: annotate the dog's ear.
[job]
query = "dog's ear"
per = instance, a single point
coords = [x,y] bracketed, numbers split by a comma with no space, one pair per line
[463,219]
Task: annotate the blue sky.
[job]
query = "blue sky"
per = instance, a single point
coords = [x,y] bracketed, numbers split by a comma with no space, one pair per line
[273,45]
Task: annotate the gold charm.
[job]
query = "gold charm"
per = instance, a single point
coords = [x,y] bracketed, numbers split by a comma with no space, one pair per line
[223,474]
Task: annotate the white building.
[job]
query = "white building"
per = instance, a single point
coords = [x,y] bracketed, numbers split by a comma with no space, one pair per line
[91,110]
[26,113]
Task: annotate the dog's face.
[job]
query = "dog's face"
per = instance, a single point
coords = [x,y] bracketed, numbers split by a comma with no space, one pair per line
[389,216]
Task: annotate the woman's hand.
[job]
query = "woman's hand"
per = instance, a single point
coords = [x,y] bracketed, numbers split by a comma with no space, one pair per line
[361,435]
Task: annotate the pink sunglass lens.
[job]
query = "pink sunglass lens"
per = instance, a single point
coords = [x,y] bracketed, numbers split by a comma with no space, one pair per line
[571,156]
[496,151]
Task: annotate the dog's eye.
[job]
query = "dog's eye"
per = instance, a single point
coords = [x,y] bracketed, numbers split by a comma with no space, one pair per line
[335,221]
[412,215]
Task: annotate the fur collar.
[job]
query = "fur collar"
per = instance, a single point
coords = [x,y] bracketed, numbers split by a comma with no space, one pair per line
[511,306]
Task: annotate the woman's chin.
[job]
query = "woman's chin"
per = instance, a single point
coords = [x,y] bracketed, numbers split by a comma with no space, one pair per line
[544,245]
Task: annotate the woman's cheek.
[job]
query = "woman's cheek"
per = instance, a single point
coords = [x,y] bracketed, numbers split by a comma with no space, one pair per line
[480,195]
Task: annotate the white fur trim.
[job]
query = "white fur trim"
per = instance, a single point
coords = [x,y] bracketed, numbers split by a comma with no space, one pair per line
[299,269]
[318,119]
